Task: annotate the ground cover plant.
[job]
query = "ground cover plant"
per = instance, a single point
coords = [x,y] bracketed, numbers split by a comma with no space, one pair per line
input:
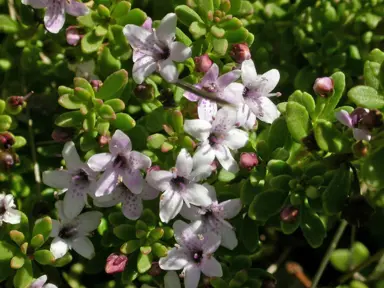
[191,143]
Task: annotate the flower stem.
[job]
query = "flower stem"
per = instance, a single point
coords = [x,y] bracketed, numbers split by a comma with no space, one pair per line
[36,167]
[327,255]
[199,92]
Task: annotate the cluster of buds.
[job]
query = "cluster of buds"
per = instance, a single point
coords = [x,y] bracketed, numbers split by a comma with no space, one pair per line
[73,35]
[16,103]
[7,140]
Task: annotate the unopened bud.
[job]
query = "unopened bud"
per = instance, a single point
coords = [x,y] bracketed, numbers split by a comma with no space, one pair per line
[202,63]
[167,98]
[289,214]
[96,84]
[62,135]
[360,149]
[73,35]
[153,168]
[144,92]
[240,53]
[7,160]
[155,269]
[323,86]
[7,140]
[248,160]
[373,119]
[115,263]
[357,210]
[103,140]
[210,15]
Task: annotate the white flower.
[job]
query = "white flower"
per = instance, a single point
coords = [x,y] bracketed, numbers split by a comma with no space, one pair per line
[193,254]
[245,117]
[40,283]
[156,50]
[132,205]
[179,187]
[213,217]
[72,233]
[217,138]
[256,91]
[78,180]
[7,212]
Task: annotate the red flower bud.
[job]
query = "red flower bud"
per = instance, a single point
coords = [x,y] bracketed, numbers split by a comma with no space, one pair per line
[7,140]
[115,263]
[62,135]
[323,86]
[155,269]
[16,101]
[289,214]
[96,84]
[240,52]
[202,63]
[73,35]
[248,160]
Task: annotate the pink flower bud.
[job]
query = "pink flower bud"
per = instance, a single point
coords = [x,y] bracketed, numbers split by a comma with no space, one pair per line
[7,140]
[7,160]
[96,84]
[323,86]
[104,140]
[153,168]
[240,52]
[115,263]
[289,214]
[248,160]
[202,63]
[62,135]
[155,269]
[73,35]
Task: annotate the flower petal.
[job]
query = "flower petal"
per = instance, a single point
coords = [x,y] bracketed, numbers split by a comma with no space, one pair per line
[49,285]
[132,206]
[211,191]
[201,172]
[211,267]
[211,242]
[245,117]
[88,221]
[59,179]
[228,237]
[120,143]
[185,234]
[76,8]
[59,247]
[225,120]
[171,280]
[249,74]
[192,97]
[133,180]
[147,24]
[60,210]
[168,70]
[361,134]
[176,259]
[184,163]
[144,67]
[138,161]
[231,208]
[233,93]
[192,276]
[344,118]
[270,80]
[211,75]
[166,31]
[264,109]
[160,179]
[196,194]
[199,129]
[71,157]
[170,205]
[190,213]
[226,159]
[107,183]
[139,37]
[235,139]
[149,193]
[224,80]
[54,17]
[100,162]
[37,4]
[204,156]
[12,216]
[39,282]
[206,110]
[179,52]
[84,247]
[74,201]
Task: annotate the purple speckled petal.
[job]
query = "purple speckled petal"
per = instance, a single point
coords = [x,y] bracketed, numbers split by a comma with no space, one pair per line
[224,80]
[107,182]
[206,110]
[132,206]
[120,143]
[54,18]
[76,8]
[211,75]
[134,181]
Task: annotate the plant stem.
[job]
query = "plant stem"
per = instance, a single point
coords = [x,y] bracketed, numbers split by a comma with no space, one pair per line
[199,92]
[327,255]
[36,168]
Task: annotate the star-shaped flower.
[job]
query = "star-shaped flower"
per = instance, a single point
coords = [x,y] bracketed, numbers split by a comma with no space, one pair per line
[40,283]
[54,18]
[78,180]
[213,217]
[7,212]
[211,82]
[353,121]
[121,162]
[156,50]
[71,233]
[193,254]
[256,91]
[179,187]
[217,138]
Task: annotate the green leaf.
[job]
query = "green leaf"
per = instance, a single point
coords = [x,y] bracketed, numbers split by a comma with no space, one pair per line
[230,24]
[281,182]
[43,226]
[68,101]
[61,262]
[107,63]
[341,259]
[226,176]
[84,84]
[250,240]
[7,25]
[125,232]
[186,15]
[88,19]
[241,262]
[121,9]
[113,84]
[304,99]
[37,241]
[17,261]
[218,282]
[278,134]
[235,6]
[371,74]
[205,5]
[181,37]
[279,167]
[123,122]
[24,275]
[44,257]
[106,112]
[116,104]
[134,16]
[266,204]
[69,119]
[23,226]
[376,55]
[297,120]
[17,237]
[312,226]
[372,171]
[91,42]
[5,122]
[360,254]
[220,46]
[330,139]
[159,250]
[144,262]
[197,30]
[237,36]
[367,97]
[337,191]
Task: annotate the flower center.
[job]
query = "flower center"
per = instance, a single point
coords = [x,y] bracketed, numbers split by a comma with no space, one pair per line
[213,140]
[81,177]
[2,208]
[68,232]
[197,256]
[357,115]
[245,92]
[120,161]
[165,54]
[210,87]
[179,182]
